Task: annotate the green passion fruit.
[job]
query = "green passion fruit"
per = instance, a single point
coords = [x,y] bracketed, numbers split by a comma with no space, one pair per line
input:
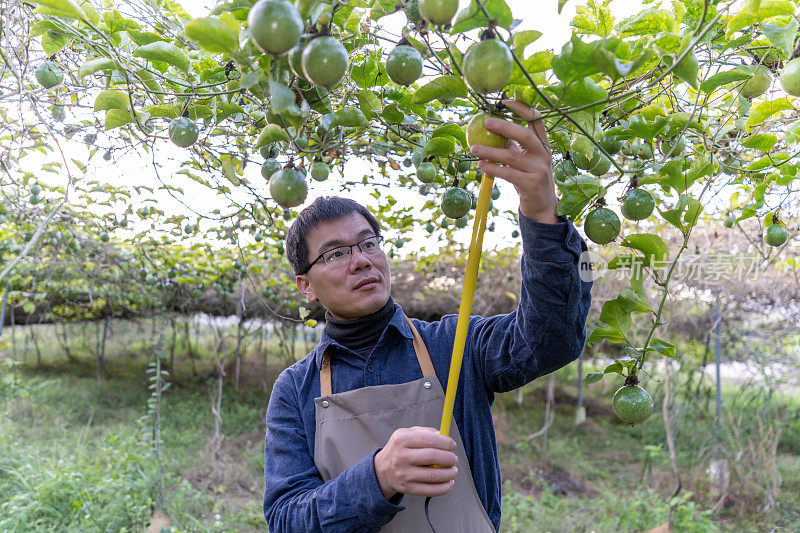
[758,83]
[288,188]
[48,74]
[632,404]
[637,204]
[269,167]
[426,172]
[602,166]
[487,66]
[404,65]
[672,147]
[478,134]
[456,202]
[438,11]
[183,132]
[602,225]
[275,26]
[325,61]
[775,235]
[296,58]
[411,9]
[790,77]
[320,171]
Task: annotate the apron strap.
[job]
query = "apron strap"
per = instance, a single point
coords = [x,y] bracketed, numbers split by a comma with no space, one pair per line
[421,351]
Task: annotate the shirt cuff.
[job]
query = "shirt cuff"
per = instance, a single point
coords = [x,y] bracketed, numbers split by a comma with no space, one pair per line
[374,502]
[551,243]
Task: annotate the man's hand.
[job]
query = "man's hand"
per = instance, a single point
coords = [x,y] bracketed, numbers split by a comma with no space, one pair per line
[403,465]
[526,162]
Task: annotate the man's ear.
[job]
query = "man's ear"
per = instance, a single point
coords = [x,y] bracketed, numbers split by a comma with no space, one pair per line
[304,285]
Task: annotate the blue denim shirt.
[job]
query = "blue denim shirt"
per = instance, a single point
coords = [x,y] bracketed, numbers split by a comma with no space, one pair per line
[502,353]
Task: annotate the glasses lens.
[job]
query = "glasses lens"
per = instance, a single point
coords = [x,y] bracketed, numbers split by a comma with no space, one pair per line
[336,254]
[370,245]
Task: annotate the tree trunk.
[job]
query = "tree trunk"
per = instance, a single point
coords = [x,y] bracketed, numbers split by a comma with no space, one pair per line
[580,413]
[673,460]
[240,325]
[189,347]
[101,353]
[172,342]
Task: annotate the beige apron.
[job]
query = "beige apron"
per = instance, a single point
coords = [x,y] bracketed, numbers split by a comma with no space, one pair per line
[350,425]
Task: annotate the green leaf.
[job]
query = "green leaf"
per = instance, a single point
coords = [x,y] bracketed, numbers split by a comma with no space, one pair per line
[163,111]
[576,193]
[594,18]
[165,52]
[452,130]
[575,61]
[281,97]
[649,22]
[766,9]
[53,42]
[116,118]
[213,35]
[111,99]
[60,8]
[592,378]
[616,317]
[270,134]
[199,111]
[441,87]
[652,247]
[473,16]
[142,38]
[764,110]
[685,213]
[723,78]
[349,117]
[439,146]
[93,65]
[761,141]
[781,37]
[29,307]
[523,39]
[663,347]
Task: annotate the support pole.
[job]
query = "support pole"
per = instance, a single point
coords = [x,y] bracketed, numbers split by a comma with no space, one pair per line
[467,295]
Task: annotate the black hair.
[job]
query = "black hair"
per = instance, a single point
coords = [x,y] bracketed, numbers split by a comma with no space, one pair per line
[321,210]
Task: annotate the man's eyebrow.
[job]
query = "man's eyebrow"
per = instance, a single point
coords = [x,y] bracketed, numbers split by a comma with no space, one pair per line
[335,242]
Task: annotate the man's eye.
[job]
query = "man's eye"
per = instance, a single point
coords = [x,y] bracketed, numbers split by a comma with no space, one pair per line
[369,244]
[336,254]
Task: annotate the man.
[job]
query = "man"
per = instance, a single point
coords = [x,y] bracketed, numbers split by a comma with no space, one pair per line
[352,428]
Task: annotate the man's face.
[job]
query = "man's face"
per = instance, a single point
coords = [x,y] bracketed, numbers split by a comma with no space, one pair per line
[341,286]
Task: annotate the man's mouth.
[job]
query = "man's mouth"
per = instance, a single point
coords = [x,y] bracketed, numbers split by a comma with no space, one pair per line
[367,283]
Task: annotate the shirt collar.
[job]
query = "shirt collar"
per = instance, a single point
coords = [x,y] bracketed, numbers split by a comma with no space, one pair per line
[398,322]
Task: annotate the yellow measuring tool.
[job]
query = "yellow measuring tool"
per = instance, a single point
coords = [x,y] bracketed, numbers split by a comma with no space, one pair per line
[467,295]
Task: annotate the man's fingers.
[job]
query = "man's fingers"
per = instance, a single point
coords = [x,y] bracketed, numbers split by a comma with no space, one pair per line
[429,456]
[537,126]
[427,489]
[420,437]
[429,474]
[509,156]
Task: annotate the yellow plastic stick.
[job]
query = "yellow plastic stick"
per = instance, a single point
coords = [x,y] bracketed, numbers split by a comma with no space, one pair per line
[467,295]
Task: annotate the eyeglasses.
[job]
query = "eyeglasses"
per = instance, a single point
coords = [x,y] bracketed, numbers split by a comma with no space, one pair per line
[341,254]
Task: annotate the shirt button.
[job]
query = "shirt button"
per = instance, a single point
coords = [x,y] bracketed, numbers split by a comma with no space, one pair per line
[370,369]
[325,403]
[427,384]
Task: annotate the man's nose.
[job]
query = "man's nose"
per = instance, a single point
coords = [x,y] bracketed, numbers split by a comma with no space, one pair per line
[358,260]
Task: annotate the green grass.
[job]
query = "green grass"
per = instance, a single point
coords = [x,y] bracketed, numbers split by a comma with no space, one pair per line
[71,459]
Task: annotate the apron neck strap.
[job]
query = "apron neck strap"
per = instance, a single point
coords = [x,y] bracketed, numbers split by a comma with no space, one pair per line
[423,358]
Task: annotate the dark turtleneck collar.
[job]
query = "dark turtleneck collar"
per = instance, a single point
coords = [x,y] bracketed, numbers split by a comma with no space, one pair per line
[362,334]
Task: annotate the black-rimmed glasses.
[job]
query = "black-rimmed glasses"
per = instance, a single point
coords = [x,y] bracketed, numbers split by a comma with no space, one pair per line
[369,246]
